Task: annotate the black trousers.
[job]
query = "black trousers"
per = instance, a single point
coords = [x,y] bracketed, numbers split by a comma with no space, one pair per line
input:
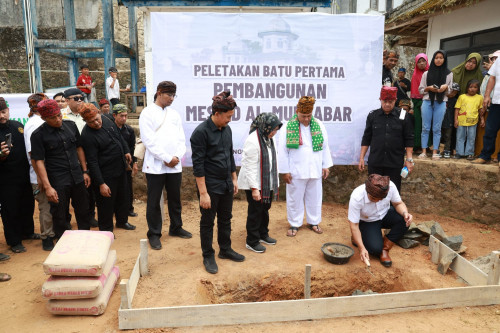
[92,201]
[172,184]
[18,206]
[130,192]
[371,231]
[257,219]
[222,206]
[117,204]
[78,195]
[393,173]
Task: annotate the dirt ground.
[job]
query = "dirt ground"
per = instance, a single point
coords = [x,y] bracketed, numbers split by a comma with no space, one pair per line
[177,277]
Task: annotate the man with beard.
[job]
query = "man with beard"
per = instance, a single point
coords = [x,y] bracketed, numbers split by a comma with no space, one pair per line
[108,155]
[163,137]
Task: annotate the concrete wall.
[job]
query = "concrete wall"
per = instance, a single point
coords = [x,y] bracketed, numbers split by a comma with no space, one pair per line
[50,13]
[481,16]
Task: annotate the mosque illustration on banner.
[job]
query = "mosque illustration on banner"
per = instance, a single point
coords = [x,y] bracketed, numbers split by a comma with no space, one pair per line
[276,44]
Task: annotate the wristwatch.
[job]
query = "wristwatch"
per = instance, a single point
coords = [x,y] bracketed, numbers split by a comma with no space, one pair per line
[86,172]
[410,160]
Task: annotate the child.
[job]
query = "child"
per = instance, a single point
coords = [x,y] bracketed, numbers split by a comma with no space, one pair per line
[84,82]
[448,126]
[468,110]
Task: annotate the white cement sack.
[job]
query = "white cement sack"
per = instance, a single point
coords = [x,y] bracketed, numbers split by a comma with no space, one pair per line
[89,306]
[79,253]
[73,287]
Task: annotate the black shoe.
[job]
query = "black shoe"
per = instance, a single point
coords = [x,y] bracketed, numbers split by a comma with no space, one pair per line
[180,233]
[155,243]
[259,248]
[132,214]
[94,223]
[457,157]
[126,226]
[48,244]
[32,236]
[268,240]
[231,255]
[210,265]
[4,257]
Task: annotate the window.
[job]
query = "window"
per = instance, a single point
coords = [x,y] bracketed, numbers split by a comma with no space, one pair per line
[458,47]
[374,4]
[388,5]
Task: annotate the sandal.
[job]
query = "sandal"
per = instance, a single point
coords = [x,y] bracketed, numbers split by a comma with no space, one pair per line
[19,248]
[33,236]
[436,157]
[422,156]
[4,257]
[4,277]
[315,228]
[292,231]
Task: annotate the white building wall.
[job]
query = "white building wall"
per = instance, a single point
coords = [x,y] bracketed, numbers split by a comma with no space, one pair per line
[482,16]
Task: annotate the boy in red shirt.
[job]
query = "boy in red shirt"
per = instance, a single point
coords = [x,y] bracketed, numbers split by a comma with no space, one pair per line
[84,82]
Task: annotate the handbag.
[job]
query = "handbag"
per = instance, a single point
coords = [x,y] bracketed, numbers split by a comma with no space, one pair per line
[140,148]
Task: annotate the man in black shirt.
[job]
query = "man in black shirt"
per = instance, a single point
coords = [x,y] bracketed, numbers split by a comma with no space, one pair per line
[16,196]
[120,114]
[215,172]
[61,167]
[403,85]
[388,134]
[390,61]
[107,156]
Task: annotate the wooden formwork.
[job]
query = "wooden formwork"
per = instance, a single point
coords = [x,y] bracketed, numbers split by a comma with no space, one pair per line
[483,290]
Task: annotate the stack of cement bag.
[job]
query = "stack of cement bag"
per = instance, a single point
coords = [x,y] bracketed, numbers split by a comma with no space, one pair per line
[82,273]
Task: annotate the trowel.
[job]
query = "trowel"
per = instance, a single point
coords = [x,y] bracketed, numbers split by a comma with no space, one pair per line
[367,262]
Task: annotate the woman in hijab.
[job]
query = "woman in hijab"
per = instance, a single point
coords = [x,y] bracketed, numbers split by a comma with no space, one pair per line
[468,70]
[259,178]
[421,65]
[434,87]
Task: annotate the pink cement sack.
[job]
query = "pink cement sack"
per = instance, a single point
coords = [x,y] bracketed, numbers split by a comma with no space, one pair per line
[79,253]
[90,306]
[73,287]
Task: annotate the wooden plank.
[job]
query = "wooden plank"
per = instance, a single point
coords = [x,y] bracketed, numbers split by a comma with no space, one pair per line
[307,282]
[494,274]
[125,299]
[134,279]
[434,249]
[143,263]
[465,269]
[307,309]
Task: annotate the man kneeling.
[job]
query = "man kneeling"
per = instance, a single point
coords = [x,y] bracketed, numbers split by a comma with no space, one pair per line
[370,211]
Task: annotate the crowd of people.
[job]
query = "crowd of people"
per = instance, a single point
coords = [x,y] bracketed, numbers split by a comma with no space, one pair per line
[73,151]
[449,107]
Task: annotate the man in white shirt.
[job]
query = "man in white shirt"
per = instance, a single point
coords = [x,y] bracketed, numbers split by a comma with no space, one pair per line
[304,160]
[163,136]
[63,106]
[113,87]
[45,217]
[370,211]
[493,121]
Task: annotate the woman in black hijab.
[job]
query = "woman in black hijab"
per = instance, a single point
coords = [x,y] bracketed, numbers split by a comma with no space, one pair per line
[434,87]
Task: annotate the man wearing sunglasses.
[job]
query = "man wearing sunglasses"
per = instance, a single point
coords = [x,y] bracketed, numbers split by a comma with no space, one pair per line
[74,98]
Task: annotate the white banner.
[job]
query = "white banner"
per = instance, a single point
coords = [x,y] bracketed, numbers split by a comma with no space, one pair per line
[18,106]
[269,61]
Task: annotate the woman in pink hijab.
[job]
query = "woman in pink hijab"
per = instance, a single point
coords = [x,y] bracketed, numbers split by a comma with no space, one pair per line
[421,65]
